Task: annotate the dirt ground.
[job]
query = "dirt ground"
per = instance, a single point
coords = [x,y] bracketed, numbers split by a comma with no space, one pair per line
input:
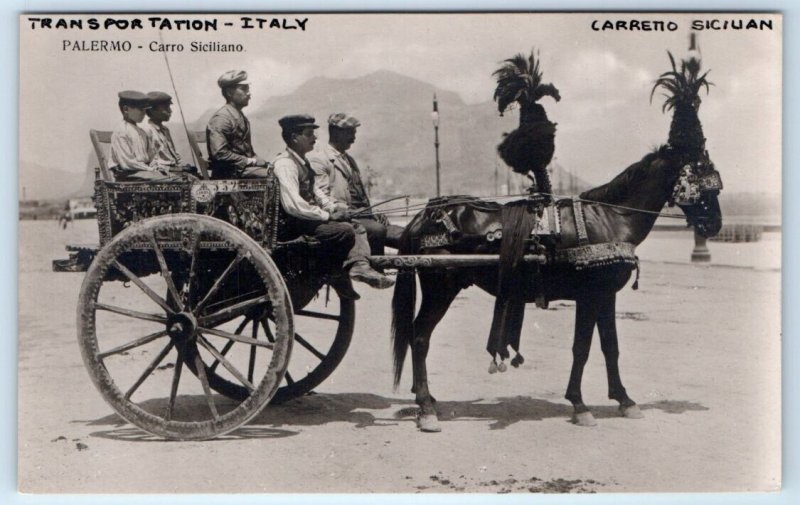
[700,353]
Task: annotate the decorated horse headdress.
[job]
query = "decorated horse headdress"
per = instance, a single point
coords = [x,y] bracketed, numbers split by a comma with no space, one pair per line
[698,178]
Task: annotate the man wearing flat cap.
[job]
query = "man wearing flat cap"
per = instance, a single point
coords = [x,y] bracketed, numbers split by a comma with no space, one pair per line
[338,181]
[230,149]
[165,154]
[343,242]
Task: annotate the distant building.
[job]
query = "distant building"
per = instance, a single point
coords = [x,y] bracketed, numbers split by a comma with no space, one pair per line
[81,208]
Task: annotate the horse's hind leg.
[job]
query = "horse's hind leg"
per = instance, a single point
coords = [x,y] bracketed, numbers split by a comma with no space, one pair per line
[586,311]
[607,327]
[438,292]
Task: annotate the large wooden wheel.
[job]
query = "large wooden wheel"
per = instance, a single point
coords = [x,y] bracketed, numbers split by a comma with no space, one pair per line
[323,330]
[136,342]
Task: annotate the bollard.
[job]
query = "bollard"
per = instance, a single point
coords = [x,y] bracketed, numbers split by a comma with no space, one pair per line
[700,253]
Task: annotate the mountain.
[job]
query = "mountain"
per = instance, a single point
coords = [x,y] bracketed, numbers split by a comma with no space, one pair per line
[37,182]
[396,139]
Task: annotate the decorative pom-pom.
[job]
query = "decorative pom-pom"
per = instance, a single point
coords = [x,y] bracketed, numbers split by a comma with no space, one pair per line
[492,367]
[502,367]
[517,360]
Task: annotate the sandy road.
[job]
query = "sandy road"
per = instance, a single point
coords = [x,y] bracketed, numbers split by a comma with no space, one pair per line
[700,353]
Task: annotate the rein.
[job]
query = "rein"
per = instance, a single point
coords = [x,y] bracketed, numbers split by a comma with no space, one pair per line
[454,201]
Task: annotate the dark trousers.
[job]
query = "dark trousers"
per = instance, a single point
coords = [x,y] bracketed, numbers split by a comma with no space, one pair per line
[380,235]
[336,239]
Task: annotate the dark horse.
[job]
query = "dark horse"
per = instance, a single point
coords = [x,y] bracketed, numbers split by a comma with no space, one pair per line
[622,211]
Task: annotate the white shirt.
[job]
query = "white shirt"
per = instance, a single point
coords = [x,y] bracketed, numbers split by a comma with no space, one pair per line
[289,167]
[162,145]
[131,147]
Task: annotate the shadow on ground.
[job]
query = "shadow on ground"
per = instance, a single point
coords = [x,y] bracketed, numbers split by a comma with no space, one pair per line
[354,408]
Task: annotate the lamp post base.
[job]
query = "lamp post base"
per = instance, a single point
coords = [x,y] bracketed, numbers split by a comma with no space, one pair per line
[700,253]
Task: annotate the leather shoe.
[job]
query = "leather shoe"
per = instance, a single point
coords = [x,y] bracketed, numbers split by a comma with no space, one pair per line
[363,272]
[344,288]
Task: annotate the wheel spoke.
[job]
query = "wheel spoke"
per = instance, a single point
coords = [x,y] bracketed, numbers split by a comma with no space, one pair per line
[147,371]
[130,345]
[318,315]
[231,312]
[271,338]
[235,261]
[130,313]
[236,373]
[201,374]
[300,340]
[230,343]
[252,363]
[173,393]
[236,338]
[267,331]
[192,264]
[162,262]
[144,287]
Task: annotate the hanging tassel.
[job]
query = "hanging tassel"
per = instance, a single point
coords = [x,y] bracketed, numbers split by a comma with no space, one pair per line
[517,360]
[502,367]
[493,366]
[636,282]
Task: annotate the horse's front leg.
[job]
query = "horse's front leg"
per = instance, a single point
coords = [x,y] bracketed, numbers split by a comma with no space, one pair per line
[607,327]
[586,311]
[437,295]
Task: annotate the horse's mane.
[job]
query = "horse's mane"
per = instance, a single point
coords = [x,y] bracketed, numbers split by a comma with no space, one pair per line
[616,190]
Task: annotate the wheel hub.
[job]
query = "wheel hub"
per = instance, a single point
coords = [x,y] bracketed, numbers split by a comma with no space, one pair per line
[181,326]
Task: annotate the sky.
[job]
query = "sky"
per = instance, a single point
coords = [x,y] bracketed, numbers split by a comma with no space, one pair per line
[605,120]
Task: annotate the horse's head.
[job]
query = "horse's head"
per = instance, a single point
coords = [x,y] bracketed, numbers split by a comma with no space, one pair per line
[696,192]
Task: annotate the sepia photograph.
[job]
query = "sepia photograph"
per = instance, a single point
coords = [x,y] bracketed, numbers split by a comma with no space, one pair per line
[420,253]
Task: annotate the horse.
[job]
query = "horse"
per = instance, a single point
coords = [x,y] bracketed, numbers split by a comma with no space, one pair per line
[621,212]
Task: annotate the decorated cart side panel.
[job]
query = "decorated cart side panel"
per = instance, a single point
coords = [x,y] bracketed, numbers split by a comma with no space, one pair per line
[250,205]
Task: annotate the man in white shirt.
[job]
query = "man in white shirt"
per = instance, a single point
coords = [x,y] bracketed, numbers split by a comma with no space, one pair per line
[131,148]
[339,240]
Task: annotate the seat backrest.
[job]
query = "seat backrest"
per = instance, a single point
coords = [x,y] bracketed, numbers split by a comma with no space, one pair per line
[98,139]
[195,139]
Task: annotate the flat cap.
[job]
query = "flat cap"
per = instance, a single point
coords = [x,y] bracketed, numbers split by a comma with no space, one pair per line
[134,98]
[232,78]
[297,122]
[343,120]
[158,97]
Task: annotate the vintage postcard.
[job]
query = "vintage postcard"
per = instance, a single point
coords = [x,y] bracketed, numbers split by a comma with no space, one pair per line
[400,253]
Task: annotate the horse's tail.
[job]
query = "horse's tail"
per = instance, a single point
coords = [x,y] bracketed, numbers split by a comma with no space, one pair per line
[403,304]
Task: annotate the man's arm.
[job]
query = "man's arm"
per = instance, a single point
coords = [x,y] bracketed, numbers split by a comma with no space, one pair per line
[122,153]
[217,132]
[292,202]
[322,183]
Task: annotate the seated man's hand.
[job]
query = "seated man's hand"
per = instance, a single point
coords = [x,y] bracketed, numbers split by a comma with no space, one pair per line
[382,219]
[338,214]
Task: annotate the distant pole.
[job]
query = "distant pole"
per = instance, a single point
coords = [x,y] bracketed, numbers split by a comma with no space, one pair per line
[24,193]
[435,117]
[496,190]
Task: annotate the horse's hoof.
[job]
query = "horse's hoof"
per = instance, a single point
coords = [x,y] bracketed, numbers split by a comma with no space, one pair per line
[429,423]
[631,412]
[584,419]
